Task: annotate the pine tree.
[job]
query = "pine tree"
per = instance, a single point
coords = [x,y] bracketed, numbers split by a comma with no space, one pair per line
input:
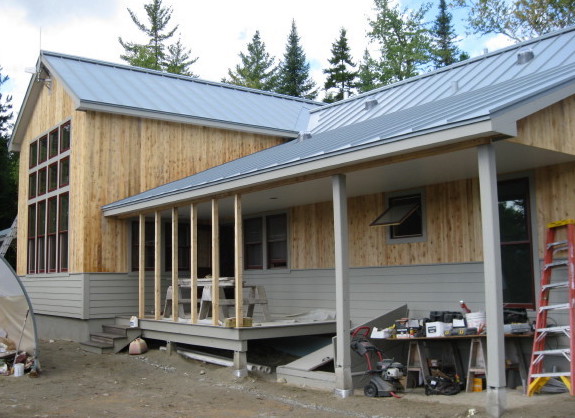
[153,55]
[178,60]
[403,39]
[444,51]
[257,69]
[368,75]
[340,75]
[294,78]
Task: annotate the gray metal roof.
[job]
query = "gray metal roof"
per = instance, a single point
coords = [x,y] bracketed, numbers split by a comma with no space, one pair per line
[550,51]
[464,108]
[108,87]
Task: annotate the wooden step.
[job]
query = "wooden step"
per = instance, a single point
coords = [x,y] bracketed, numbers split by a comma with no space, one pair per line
[105,337]
[97,347]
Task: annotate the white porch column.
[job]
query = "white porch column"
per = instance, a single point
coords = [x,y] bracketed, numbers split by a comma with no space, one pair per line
[496,399]
[142,267]
[343,381]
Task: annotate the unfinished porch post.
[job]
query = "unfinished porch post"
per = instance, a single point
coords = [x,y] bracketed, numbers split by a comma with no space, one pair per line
[175,283]
[194,263]
[343,381]
[215,263]
[142,267]
[496,399]
[157,266]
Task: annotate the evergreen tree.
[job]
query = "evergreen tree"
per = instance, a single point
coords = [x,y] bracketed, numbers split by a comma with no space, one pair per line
[403,39]
[340,75]
[153,55]
[294,78]
[368,75]
[518,19]
[444,51]
[8,162]
[257,69]
[178,60]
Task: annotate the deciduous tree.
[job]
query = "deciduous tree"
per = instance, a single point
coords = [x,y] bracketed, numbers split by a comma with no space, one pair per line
[518,19]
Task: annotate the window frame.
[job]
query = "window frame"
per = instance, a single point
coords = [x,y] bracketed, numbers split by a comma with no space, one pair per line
[266,241]
[390,239]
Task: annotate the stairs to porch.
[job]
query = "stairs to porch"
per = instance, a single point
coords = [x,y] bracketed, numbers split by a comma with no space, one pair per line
[112,339]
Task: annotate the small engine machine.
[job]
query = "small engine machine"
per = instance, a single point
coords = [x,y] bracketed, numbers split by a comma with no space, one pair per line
[385,373]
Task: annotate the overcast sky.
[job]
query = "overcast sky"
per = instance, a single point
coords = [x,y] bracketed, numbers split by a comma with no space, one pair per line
[215,31]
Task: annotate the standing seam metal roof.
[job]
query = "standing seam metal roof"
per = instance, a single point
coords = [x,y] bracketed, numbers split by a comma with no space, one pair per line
[123,87]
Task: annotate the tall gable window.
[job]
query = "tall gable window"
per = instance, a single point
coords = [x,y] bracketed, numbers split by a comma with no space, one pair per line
[48,201]
[265,242]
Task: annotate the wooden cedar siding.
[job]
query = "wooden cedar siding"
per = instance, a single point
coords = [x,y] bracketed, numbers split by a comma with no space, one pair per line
[113,157]
[121,156]
[552,128]
[52,108]
[453,236]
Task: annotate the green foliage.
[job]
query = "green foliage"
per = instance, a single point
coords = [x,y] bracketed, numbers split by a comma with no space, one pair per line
[403,40]
[368,74]
[294,79]
[257,69]
[8,162]
[340,75]
[518,19]
[155,54]
[444,51]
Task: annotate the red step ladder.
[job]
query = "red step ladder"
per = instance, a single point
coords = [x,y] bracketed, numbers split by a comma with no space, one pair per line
[560,289]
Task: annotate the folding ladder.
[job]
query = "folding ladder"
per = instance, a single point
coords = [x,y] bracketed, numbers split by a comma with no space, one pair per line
[553,287]
[8,240]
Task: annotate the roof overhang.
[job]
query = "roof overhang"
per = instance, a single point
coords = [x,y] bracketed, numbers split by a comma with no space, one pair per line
[398,146]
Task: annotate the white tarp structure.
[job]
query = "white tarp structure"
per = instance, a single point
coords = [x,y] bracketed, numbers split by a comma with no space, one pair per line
[16,315]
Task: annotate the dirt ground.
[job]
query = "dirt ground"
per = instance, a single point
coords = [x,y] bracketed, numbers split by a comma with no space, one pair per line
[74,383]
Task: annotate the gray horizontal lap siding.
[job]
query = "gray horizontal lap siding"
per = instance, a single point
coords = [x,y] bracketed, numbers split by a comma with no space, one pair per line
[375,290]
[56,294]
[111,295]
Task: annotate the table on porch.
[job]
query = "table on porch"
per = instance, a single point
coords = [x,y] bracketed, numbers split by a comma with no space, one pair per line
[253,295]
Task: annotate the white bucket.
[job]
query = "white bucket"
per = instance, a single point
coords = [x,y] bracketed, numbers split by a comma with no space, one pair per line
[18,369]
[475,320]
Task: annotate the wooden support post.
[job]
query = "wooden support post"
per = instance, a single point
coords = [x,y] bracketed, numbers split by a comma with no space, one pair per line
[239,261]
[175,283]
[142,267]
[343,381]
[194,263]
[157,265]
[215,263]
[493,280]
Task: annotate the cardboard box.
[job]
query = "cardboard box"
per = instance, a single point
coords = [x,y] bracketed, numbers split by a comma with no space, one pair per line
[436,329]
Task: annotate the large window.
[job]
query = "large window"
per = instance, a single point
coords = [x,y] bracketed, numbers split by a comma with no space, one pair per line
[48,201]
[265,242]
[516,243]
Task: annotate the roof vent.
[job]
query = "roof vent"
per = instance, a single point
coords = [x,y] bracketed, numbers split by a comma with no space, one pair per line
[304,135]
[454,86]
[523,57]
[370,104]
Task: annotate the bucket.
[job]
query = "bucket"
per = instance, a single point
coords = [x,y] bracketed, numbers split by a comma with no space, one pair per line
[18,369]
[477,384]
[476,320]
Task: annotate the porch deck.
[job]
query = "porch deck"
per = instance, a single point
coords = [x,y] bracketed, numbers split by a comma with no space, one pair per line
[235,339]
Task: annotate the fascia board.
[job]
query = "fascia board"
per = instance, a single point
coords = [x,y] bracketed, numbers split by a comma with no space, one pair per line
[505,118]
[67,88]
[170,117]
[425,141]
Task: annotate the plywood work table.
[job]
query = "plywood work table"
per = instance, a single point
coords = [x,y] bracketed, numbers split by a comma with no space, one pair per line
[418,355]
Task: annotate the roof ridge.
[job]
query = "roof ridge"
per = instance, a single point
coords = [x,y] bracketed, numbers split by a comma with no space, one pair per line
[178,76]
[459,64]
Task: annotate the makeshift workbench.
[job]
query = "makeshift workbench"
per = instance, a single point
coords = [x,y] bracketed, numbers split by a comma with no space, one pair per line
[418,356]
[253,296]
